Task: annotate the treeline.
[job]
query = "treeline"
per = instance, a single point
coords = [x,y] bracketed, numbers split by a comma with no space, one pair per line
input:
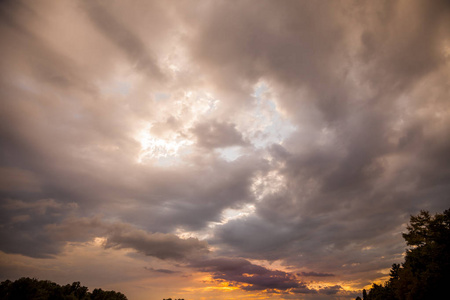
[27,288]
[425,274]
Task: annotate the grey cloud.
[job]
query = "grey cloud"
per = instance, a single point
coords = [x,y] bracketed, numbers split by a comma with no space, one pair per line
[398,58]
[251,277]
[310,46]
[330,290]
[261,43]
[16,179]
[315,274]
[55,139]
[42,228]
[118,33]
[214,134]
[74,229]
[162,246]
[21,229]
[303,290]
[189,203]
[120,235]
[250,235]
[347,185]
[161,200]
[29,53]
[243,272]
[163,271]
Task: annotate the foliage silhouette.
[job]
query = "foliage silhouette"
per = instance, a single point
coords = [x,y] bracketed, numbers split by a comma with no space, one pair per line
[33,289]
[425,273]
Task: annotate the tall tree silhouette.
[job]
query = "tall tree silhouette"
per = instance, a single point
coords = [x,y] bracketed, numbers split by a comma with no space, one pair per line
[425,273]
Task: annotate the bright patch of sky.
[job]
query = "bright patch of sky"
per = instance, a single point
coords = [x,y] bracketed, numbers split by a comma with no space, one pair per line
[167,138]
[230,153]
[228,215]
[267,183]
[163,150]
[264,124]
[232,214]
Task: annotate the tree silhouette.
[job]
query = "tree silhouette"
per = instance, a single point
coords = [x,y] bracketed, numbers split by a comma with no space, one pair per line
[425,273]
[27,288]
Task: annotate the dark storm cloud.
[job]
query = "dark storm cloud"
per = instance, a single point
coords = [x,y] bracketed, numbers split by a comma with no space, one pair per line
[244,272]
[22,226]
[215,134]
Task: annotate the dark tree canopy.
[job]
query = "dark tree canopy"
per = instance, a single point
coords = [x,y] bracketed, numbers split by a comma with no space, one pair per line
[425,273]
[27,288]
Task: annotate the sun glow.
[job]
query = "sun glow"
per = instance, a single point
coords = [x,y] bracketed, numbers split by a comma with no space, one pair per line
[99,241]
[168,137]
[160,148]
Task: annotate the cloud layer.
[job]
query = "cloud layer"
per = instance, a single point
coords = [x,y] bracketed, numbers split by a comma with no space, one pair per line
[279,147]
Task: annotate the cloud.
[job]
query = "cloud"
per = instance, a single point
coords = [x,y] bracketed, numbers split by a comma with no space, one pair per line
[89,90]
[125,236]
[330,290]
[315,274]
[162,246]
[244,272]
[23,223]
[17,179]
[252,277]
[214,134]
[163,271]
[125,39]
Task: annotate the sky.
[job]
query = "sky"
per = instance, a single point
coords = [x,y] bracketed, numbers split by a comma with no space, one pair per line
[220,149]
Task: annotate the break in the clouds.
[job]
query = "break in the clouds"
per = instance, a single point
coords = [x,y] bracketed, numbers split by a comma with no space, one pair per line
[220,149]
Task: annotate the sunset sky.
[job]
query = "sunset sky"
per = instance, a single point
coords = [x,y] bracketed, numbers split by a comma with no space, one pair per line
[220,149]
